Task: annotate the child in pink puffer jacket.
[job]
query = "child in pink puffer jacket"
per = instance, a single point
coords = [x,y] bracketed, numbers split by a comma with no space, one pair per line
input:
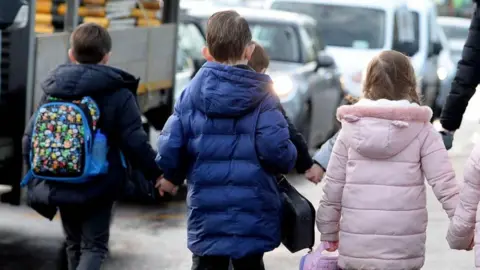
[374,202]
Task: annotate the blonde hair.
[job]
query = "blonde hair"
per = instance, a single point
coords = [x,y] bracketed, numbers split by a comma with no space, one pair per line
[391,76]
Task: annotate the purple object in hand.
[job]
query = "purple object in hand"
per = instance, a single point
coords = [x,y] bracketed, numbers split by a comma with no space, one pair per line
[318,261]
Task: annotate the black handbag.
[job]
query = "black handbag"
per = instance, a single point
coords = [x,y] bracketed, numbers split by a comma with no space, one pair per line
[298,218]
[139,190]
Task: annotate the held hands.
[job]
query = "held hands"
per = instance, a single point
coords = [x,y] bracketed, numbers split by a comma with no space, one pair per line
[314,174]
[472,244]
[331,246]
[165,186]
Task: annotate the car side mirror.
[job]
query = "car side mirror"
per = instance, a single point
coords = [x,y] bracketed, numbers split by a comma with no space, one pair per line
[407,48]
[325,61]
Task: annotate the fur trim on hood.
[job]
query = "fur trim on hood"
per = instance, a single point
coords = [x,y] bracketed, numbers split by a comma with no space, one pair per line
[401,110]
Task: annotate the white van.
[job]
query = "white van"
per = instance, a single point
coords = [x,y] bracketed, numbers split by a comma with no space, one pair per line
[356,30]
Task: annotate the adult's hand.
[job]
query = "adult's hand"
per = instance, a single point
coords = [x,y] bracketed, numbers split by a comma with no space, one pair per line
[447,137]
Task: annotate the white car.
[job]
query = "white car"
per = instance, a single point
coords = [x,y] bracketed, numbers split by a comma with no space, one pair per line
[356,30]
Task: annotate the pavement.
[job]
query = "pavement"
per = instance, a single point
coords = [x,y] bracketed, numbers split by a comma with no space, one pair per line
[154,237]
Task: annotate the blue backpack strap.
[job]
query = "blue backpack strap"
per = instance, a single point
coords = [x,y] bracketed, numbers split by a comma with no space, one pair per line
[28,177]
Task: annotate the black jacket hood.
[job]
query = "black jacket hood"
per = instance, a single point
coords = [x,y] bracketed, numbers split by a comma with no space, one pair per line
[75,80]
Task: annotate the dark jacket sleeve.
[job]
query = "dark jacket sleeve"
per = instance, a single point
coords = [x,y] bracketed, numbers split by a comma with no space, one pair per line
[171,150]
[304,160]
[272,139]
[26,142]
[466,78]
[134,141]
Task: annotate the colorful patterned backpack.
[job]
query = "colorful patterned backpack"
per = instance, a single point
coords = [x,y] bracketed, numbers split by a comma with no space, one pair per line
[66,145]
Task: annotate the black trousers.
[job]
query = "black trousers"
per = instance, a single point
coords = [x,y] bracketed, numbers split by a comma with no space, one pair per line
[253,262]
[87,230]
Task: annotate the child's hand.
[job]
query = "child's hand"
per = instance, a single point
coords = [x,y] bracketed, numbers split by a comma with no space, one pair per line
[314,174]
[164,185]
[331,246]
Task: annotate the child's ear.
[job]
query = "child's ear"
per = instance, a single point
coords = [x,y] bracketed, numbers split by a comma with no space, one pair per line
[206,54]
[71,57]
[106,58]
[249,51]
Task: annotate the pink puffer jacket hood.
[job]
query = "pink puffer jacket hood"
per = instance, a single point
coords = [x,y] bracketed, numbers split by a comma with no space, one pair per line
[374,198]
[387,127]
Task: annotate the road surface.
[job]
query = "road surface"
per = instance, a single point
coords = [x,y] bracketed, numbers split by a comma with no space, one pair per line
[154,237]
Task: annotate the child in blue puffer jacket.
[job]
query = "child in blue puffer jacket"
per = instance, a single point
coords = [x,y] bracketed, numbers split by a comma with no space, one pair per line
[228,138]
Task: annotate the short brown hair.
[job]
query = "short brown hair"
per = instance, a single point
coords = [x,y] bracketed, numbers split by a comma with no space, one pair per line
[90,43]
[259,60]
[390,75]
[228,34]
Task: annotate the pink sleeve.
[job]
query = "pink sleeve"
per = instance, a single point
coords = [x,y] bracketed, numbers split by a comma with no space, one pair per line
[328,215]
[461,230]
[438,170]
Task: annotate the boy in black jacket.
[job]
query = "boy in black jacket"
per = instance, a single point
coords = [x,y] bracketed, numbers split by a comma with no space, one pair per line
[86,209]
[260,62]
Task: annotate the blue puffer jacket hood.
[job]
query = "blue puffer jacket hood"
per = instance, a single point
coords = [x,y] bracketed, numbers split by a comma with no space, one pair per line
[227,91]
[83,80]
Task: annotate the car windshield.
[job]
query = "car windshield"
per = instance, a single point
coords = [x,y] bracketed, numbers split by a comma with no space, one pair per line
[455,32]
[344,26]
[190,40]
[279,40]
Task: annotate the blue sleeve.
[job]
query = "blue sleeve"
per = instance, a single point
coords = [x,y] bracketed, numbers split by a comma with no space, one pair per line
[322,156]
[274,147]
[170,150]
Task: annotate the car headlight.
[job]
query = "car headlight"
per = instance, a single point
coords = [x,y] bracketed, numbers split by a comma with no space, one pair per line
[442,73]
[283,86]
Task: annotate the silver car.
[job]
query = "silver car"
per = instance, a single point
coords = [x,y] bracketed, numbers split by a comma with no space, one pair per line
[305,78]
